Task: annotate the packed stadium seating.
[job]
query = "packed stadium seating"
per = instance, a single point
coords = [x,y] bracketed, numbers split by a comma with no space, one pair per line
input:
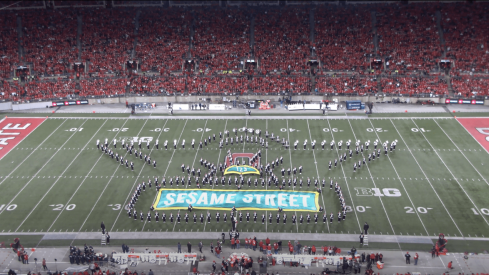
[107,38]
[465,32]
[470,86]
[162,48]
[9,50]
[221,38]
[343,38]
[282,38]
[50,40]
[160,39]
[346,85]
[408,36]
[413,86]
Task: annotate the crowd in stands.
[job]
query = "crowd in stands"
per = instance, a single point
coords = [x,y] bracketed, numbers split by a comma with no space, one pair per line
[465,32]
[414,86]
[470,86]
[282,38]
[218,40]
[49,40]
[408,37]
[9,50]
[163,38]
[346,85]
[221,38]
[107,38]
[281,84]
[344,37]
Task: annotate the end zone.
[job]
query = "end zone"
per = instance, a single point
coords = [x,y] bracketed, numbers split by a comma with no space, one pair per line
[14,130]
[478,128]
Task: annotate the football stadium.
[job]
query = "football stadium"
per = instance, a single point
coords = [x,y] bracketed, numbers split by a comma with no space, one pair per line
[265,137]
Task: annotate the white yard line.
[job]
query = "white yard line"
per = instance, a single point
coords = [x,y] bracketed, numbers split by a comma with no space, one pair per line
[23,137]
[373,181]
[131,191]
[293,188]
[426,179]
[59,177]
[35,149]
[450,171]
[344,176]
[183,181]
[86,177]
[400,180]
[317,170]
[218,159]
[32,178]
[482,177]
[101,193]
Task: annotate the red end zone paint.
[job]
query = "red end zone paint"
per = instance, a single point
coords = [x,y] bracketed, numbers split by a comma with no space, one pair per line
[478,128]
[14,130]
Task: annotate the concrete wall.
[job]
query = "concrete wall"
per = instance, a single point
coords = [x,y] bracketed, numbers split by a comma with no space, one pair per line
[6,106]
[27,106]
[216,99]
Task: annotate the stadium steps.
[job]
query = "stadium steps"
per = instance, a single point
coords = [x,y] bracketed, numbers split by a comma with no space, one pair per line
[78,35]
[365,240]
[252,31]
[440,33]
[373,20]
[449,85]
[136,29]
[103,240]
[20,35]
[311,25]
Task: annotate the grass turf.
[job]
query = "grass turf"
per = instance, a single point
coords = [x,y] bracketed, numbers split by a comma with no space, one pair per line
[60,187]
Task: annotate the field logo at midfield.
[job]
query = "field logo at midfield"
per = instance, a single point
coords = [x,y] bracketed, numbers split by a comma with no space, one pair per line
[478,128]
[14,130]
[241,170]
[213,199]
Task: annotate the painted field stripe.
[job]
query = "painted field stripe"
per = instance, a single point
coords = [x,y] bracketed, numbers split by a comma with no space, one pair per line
[453,176]
[427,178]
[58,178]
[35,149]
[13,137]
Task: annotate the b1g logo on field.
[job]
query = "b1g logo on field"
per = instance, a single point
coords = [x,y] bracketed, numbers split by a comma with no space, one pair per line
[388,192]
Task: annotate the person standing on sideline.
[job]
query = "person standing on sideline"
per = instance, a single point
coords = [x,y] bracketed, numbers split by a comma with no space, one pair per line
[365,228]
[189,246]
[44,264]
[179,246]
[361,239]
[433,252]
[102,225]
[408,258]
[416,259]
[200,246]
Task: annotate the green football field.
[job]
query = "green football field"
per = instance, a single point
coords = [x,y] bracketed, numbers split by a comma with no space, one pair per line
[56,180]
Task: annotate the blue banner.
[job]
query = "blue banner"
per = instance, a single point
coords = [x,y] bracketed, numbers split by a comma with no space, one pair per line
[214,199]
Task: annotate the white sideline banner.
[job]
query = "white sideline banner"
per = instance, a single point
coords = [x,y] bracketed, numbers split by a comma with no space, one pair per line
[295,107]
[312,106]
[333,107]
[180,107]
[217,107]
